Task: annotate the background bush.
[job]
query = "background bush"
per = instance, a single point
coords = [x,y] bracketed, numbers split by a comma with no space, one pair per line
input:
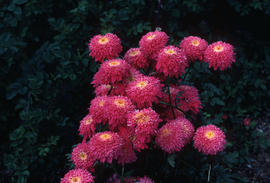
[46,72]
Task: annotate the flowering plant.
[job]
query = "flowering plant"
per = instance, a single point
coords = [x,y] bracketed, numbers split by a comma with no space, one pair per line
[142,101]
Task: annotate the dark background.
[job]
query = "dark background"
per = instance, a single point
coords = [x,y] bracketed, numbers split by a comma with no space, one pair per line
[46,73]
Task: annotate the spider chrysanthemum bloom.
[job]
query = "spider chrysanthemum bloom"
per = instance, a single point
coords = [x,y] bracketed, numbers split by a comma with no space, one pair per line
[144,91]
[87,126]
[170,137]
[111,71]
[145,122]
[219,55]
[97,109]
[144,180]
[189,99]
[171,61]
[136,58]
[81,157]
[78,176]
[193,47]
[152,43]
[117,109]
[105,47]
[209,140]
[105,146]
[186,127]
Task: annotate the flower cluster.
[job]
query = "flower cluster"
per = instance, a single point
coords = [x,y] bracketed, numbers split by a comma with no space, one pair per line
[137,104]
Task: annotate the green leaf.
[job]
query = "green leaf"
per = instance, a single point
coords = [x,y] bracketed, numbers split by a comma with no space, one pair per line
[171,160]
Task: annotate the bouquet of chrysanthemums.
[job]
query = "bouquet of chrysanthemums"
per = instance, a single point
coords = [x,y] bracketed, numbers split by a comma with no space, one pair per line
[141,101]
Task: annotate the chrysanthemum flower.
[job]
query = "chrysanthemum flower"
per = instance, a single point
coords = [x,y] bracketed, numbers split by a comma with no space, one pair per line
[105,47]
[136,58]
[189,99]
[219,55]
[81,157]
[144,180]
[145,123]
[171,61]
[105,146]
[144,91]
[97,109]
[170,137]
[78,176]
[193,47]
[117,89]
[209,140]
[111,71]
[117,109]
[87,126]
[152,43]
[186,127]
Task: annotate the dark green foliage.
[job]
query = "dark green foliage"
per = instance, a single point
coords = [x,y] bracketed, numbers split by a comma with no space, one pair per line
[46,73]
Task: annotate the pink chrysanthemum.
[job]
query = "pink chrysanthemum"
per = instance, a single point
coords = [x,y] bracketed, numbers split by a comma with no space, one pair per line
[145,123]
[78,176]
[144,91]
[82,158]
[144,180]
[117,89]
[152,43]
[105,146]
[189,99]
[97,109]
[136,58]
[105,47]
[209,140]
[117,109]
[219,55]
[186,127]
[193,47]
[111,71]
[87,127]
[171,61]
[170,137]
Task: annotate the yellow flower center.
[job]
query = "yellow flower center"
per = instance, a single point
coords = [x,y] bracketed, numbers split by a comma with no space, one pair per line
[114,63]
[195,43]
[105,136]
[141,118]
[103,40]
[165,132]
[141,84]
[218,48]
[101,103]
[170,51]
[83,156]
[210,134]
[151,37]
[75,180]
[88,121]
[134,53]
[120,102]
